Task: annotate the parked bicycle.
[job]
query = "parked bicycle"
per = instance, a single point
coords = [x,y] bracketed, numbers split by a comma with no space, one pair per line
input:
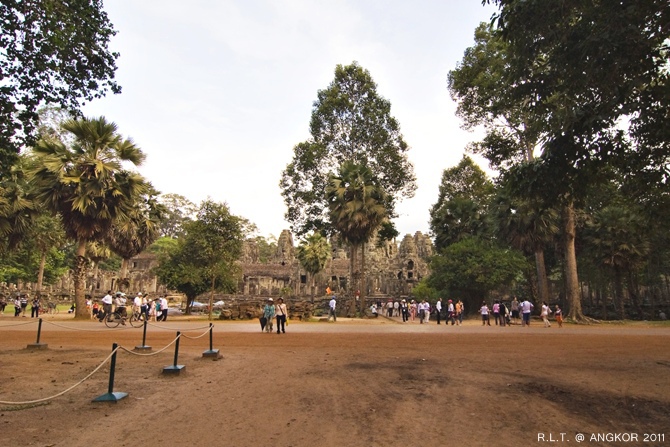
[114,319]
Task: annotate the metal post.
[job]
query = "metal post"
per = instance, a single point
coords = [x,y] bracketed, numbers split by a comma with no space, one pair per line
[144,346]
[37,344]
[212,353]
[111,396]
[174,368]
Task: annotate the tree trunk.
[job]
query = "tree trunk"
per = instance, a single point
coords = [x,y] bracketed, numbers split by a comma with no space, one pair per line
[211,297]
[40,273]
[542,280]
[361,304]
[79,277]
[571,278]
[124,283]
[618,288]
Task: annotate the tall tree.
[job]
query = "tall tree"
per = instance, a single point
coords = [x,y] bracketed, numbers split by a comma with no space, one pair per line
[350,122]
[313,253]
[135,231]
[462,204]
[204,259]
[53,51]
[177,211]
[580,67]
[87,186]
[356,205]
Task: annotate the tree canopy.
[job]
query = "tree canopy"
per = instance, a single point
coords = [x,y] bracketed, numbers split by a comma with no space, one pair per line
[350,122]
[53,51]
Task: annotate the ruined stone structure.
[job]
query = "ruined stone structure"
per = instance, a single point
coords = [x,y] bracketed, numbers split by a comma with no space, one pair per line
[391,270]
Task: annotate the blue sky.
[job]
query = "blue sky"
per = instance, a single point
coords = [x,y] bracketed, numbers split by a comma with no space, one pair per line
[217,93]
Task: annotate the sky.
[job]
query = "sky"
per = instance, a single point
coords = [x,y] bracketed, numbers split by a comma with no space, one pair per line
[218,92]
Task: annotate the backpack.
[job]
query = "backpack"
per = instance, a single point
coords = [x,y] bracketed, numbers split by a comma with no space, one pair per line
[158,305]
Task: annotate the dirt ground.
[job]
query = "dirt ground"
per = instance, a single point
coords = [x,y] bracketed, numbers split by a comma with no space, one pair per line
[354,383]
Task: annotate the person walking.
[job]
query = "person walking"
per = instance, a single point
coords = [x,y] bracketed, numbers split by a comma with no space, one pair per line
[164,308]
[269,314]
[24,304]
[404,309]
[35,308]
[458,310]
[17,306]
[503,314]
[484,310]
[545,314]
[450,313]
[515,310]
[438,310]
[526,308]
[413,310]
[281,313]
[331,309]
[558,313]
[496,312]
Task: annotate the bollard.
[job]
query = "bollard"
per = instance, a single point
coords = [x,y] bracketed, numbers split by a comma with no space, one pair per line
[212,353]
[144,346]
[174,368]
[37,344]
[111,396]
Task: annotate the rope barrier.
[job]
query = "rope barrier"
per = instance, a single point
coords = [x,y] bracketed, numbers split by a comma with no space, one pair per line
[172,328]
[28,402]
[120,328]
[151,353]
[18,324]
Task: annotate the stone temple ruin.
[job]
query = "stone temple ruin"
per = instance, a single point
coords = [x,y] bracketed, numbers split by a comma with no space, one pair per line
[392,270]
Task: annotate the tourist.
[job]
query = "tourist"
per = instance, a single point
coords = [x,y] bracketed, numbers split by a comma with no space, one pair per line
[120,303]
[17,306]
[515,310]
[526,308]
[545,314]
[164,308]
[95,310]
[458,310]
[404,310]
[137,304]
[24,304]
[484,310]
[269,314]
[373,309]
[413,310]
[107,301]
[558,313]
[281,313]
[389,308]
[396,309]
[35,308]
[144,307]
[331,309]
[425,308]
[496,312]
[504,318]
[3,304]
[450,313]
[438,310]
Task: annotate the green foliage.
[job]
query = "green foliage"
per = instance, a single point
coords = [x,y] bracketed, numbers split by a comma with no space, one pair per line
[23,264]
[313,252]
[473,268]
[52,52]
[356,203]
[204,259]
[462,204]
[350,122]
[423,291]
[267,247]
[178,210]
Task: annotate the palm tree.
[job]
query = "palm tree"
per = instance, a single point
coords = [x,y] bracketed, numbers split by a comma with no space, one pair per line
[17,208]
[356,208]
[313,252]
[87,185]
[133,233]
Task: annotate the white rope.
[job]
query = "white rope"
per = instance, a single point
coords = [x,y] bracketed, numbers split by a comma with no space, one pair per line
[3,402]
[196,336]
[177,329]
[151,353]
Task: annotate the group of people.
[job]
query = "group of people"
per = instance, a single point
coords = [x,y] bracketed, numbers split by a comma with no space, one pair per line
[275,311]
[20,303]
[411,311]
[518,310]
[150,309]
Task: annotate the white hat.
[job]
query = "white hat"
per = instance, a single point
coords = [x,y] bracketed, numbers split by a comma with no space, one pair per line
[270,299]
[139,293]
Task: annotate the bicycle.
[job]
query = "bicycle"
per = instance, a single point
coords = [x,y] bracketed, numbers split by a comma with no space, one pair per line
[51,309]
[136,318]
[113,319]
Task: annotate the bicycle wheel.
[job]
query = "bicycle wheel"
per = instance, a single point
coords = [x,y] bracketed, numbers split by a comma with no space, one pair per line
[54,310]
[136,319]
[112,320]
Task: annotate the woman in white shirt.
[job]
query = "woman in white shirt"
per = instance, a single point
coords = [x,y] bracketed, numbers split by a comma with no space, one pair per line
[281,313]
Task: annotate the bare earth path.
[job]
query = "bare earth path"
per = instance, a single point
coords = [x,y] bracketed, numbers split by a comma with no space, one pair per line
[366,383]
